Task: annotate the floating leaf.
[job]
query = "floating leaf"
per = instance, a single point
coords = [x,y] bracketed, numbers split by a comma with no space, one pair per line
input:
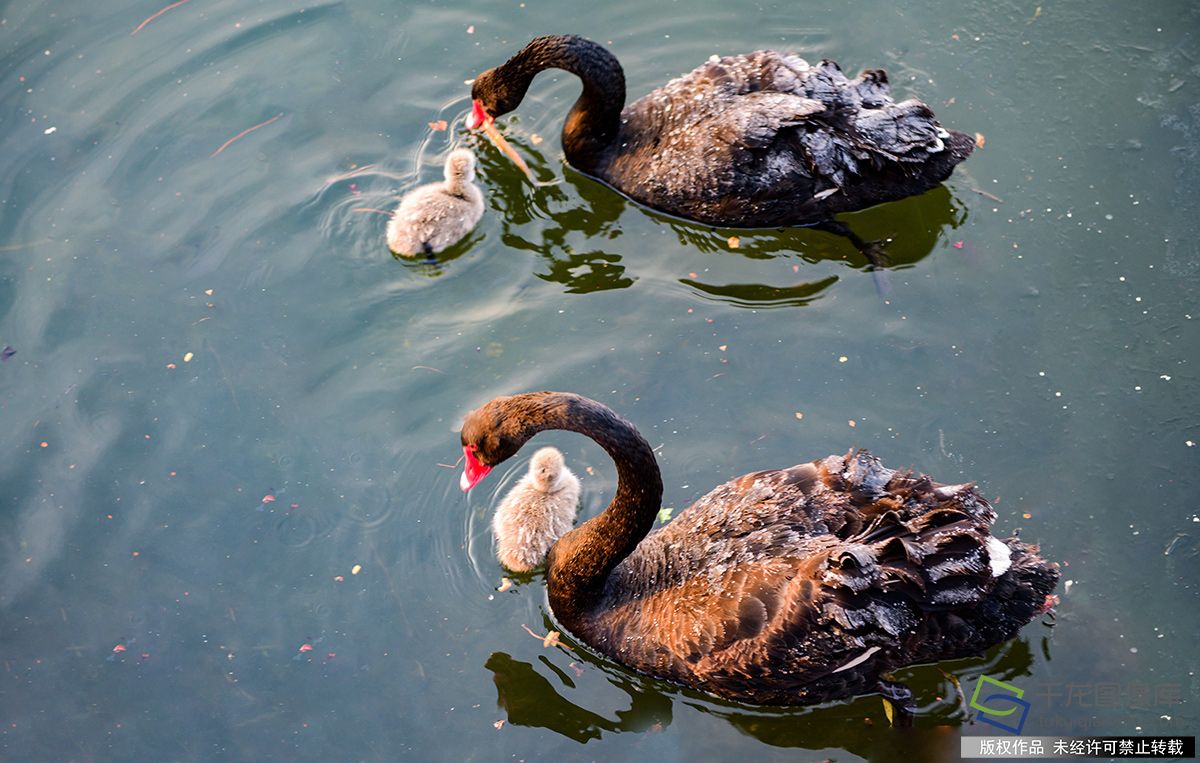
[664,514]
[356,569]
[734,242]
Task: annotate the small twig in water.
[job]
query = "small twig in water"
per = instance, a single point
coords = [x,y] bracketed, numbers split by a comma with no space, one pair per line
[243,134]
[348,175]
[991,196]
[156,15]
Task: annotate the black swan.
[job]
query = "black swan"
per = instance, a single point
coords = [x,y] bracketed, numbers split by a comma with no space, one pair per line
[782,587]
[757,140]
[432,217]
[538,510]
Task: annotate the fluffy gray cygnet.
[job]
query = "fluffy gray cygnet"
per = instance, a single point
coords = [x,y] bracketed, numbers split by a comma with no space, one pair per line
[536,512]
[432,217]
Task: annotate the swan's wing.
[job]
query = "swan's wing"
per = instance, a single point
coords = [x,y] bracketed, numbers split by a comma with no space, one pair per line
[780,610]
[765,127]
[756,118]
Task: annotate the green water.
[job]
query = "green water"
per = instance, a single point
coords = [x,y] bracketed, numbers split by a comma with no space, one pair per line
[196,332]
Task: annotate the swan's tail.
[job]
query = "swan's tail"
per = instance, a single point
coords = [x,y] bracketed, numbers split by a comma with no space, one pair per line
[926,569]
[898,149]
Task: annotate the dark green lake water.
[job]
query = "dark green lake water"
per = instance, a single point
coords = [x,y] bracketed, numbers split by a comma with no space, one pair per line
[197,332]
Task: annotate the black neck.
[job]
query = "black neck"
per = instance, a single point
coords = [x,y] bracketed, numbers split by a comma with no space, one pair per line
[581,560]
[593,122]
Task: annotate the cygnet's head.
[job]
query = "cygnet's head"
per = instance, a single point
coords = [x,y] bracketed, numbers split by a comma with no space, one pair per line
[460,166]
[545,468]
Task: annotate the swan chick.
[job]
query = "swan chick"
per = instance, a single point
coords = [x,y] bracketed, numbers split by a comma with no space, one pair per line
[536,512]
[432,217]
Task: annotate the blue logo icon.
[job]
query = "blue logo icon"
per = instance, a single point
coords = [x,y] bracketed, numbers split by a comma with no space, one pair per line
[1009,699]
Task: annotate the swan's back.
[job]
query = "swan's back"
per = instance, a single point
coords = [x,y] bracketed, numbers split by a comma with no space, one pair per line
[804,584]
[765,139]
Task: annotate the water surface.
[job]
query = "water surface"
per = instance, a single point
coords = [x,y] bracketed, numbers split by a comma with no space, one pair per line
[225,397]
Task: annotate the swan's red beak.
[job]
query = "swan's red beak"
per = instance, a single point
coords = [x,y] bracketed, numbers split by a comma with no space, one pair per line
[478,117]
[474,471]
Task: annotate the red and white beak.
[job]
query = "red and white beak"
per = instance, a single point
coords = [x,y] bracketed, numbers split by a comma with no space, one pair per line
[474,471]
[478,117]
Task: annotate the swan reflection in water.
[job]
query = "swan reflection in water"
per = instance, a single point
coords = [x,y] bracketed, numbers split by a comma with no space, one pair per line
[579,214]
[540,696]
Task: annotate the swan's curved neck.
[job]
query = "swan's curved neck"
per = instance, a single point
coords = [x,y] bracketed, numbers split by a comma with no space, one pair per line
[581,560]
[593,122]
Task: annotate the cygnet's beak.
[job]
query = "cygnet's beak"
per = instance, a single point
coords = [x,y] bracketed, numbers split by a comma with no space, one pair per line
[478,117]
[474,471]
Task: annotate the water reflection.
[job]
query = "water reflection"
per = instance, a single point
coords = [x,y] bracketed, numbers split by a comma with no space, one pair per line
[531,700]
[888,237]
[858,726]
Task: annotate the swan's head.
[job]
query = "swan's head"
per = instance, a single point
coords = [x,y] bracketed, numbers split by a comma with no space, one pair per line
[460,166]
[546,468]
[496,430]
[490,435]
[492,96]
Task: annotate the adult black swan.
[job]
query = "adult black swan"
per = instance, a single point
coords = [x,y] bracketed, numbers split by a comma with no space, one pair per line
[756,140]
[781,587]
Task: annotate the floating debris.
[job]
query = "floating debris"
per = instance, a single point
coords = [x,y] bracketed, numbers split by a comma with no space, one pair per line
[549,640]
[156,15]
[505,584]
[243,134]
[439,125]
[356,569]
[7,352]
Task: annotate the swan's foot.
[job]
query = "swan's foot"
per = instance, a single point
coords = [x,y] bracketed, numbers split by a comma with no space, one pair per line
[899,698]
[874,251]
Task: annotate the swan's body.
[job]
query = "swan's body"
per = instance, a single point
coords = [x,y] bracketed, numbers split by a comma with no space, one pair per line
[538,510]
[757,140]
[790,586]
[432,217]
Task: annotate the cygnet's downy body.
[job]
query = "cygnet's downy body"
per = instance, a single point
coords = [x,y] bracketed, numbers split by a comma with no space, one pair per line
[537,511]
[435,216]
